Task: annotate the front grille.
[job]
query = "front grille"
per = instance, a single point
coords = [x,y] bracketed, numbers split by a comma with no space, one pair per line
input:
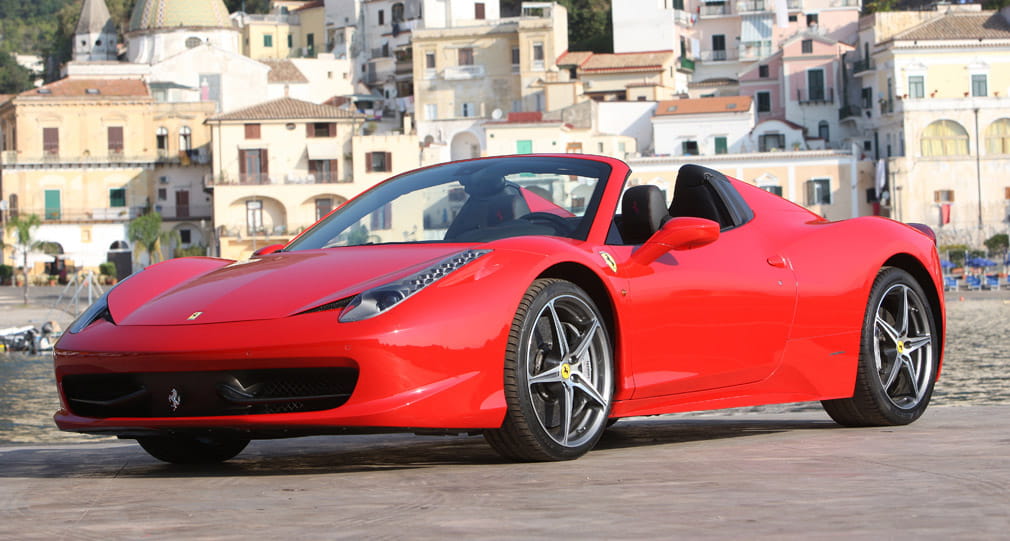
[202,394]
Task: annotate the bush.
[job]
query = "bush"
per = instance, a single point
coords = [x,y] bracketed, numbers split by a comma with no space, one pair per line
[998,244]
[194,250]
[107,268]
[6,271]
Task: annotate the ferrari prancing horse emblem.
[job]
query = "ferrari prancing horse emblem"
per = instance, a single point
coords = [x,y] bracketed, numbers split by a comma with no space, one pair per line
[174,399]
[194,316]
[609,260]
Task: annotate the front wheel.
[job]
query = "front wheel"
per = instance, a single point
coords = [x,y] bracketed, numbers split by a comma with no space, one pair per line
[898,358]
[559,376]
[185,449]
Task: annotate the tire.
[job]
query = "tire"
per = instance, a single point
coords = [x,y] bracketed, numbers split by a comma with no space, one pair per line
[899,355]
[558,392]
[179,449]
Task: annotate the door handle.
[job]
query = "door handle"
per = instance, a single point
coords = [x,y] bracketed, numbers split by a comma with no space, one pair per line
[778,261]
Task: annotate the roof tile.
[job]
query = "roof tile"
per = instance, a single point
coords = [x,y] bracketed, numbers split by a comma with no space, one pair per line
[718,104]
[983,25]
[288,109]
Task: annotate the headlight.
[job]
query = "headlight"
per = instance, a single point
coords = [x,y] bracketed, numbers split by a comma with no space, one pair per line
[374,301]
[98,310]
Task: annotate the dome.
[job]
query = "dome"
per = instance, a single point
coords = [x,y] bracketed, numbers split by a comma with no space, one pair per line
[167,14]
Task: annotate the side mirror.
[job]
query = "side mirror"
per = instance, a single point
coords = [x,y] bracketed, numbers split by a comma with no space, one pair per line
[685,233]
[267,250]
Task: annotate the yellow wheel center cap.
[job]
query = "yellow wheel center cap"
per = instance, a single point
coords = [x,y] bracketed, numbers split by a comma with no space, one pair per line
[901,347]
[566,371]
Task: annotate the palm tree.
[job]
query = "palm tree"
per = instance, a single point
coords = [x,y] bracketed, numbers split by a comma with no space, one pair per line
[25,227]
[145,232]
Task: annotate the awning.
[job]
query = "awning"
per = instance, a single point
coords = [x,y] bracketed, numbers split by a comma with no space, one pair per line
[323,150]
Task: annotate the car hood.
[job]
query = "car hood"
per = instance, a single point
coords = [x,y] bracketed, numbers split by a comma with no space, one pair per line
[204,290]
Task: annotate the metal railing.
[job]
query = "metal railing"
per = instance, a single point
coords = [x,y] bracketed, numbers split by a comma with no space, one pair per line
[822,96]
[862,65]
[96,214]
[750,6]
[714,9]
[850,111]
[260,179]
[454,73]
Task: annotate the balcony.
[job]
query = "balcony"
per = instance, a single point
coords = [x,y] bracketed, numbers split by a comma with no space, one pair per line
[755,50]
[860,66]
[719,55]
[712,10]
[685,64]
[850,112]
[821,97]
[458,73]
[794,4]
[184,212]
[83,215]
[260,232]
[751,6]
[845,3]
[17,157]
[262,179]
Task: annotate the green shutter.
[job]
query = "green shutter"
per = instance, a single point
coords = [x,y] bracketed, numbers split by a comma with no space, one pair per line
[117,197]
[52,204]
[720,145]
[524,147]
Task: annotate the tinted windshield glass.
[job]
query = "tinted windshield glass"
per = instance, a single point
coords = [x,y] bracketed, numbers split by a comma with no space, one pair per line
[473,201]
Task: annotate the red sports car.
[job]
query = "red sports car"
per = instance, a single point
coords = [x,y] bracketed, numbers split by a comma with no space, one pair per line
[532,298]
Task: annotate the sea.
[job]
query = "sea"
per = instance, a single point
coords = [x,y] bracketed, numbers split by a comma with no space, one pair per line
[976,371]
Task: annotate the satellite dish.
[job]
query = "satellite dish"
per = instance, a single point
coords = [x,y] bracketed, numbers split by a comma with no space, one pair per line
[496,114]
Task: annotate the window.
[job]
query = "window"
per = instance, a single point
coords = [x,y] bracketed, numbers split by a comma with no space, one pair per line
[430,111]
[12,205]
[807,46]
[818,192]
[815,85]
[824,130]
[771,188]
[162,194]
[291,41]
[268,40]
[254,216]
[997,137]
[465,56]
[161,139]
[792,17]
[396,13]
[468,110]
[515,59]
[252,131]
[323,206]
[720,145]
[538,56]
[324,171]
[944,138]
[524,146]
[117,197]
[943,196]
[51,141]
[321,129]
[186,236]
[115,139]
[52,201]
[718,47]
[182,204]
[811,19]
[383,217]
[763,71]
[382,17]
[253,166]
[867,98]
[771,141]
[689,148]
[478,11]
[378,161]
[916,86]
[979,85]
[573,148]
[185,138]
[764,101]
[429,60]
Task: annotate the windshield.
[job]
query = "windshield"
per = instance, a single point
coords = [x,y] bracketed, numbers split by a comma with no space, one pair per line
[471,201]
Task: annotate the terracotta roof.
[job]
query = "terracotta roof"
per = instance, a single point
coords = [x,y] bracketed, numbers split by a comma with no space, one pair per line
[626,61]
[310,5]
[91,88]
[288,109]
[984,25]
[284,71]
[720,104]
[574,58]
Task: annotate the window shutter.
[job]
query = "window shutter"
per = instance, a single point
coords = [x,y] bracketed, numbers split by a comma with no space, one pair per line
[309,129]
[389,161]
[241,163]
[264,168]
[368,162]
[333,171]
[332,129]
[313,167]
[115,139]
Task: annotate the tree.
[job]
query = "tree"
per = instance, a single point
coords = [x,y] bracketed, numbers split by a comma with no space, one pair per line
[998,243]
[146,234]
[25,226]
[14,78]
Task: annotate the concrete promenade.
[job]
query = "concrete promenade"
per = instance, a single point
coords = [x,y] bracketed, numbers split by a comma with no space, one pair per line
[723,476]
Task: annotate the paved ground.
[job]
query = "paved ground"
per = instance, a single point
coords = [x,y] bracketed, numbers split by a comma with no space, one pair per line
[782,476]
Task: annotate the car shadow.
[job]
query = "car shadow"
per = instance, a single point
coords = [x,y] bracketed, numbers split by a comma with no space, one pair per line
[354,454]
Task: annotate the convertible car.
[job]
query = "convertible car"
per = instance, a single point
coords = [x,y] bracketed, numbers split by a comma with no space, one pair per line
[534,299]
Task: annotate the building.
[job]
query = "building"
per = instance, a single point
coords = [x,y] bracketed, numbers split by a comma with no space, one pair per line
[703,126]
[934,106]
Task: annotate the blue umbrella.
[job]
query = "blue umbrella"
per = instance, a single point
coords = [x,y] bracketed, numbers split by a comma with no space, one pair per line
[980,262]
[946,264]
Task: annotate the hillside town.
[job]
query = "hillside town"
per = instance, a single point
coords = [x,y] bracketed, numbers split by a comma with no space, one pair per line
[229,132]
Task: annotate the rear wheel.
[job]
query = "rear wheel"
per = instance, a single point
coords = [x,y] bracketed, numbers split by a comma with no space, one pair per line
[184,449]
[898,358]
[558,376]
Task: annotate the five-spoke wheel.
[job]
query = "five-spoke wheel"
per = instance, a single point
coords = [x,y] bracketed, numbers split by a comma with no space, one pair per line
[899,353]
[558,375]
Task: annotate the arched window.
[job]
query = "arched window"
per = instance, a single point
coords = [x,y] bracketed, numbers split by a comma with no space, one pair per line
[397,12]
[944,138]
[162,138]
[997,137]
[185,138]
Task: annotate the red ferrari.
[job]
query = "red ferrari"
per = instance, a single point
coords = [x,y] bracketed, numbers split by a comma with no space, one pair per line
[532,298]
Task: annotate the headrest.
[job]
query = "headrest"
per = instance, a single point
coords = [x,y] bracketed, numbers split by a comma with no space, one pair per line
[643,212]
[483,183]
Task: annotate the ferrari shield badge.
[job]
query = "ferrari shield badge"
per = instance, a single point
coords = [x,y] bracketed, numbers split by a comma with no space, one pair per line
[609,260]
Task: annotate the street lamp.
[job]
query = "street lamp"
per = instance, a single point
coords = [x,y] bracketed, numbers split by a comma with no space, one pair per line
[978,171]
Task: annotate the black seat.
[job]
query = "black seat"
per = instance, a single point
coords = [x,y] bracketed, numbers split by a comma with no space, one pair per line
[492,201]
[695,196]
[643,212]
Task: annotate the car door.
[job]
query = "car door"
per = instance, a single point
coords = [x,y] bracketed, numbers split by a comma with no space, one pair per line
[710,317]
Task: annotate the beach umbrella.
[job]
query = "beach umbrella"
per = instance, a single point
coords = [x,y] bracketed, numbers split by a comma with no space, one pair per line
[946,264]
[980,262]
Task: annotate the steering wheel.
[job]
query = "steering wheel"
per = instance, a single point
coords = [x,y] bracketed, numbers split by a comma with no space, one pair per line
[559,224]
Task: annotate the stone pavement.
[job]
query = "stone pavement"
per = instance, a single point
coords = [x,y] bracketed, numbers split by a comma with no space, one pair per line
[716,475]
